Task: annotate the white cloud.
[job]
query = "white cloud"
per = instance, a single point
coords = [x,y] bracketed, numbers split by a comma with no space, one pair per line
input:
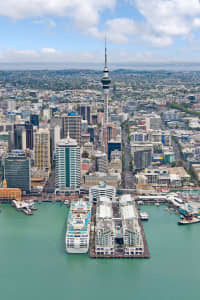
[85,13]
[47,55]
[163,20]
[51,55]
[49,51]
[167,19]
[196,22]
[49,22]
[121,29]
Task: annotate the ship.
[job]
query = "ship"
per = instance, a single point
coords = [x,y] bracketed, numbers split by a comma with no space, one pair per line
[144,216]
[189,220]
[78,227]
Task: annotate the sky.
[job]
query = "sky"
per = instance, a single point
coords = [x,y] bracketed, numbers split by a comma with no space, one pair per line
[138,31]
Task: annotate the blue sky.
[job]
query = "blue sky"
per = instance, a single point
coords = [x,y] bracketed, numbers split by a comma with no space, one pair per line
[74,30]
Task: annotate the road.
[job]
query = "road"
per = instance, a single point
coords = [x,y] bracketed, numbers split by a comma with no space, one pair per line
[50,184]
[128,175]
[178,156]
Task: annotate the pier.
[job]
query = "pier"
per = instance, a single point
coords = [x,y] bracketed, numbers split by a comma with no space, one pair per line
[118,249]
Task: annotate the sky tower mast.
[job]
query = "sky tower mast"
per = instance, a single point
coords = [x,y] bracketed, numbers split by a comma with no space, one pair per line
[106,81]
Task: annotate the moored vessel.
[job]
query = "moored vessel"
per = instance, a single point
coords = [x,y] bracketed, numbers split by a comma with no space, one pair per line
[144,216]
[78,227]
[189,220]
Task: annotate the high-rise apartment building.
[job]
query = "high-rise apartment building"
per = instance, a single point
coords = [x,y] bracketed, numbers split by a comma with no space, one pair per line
[42,150]
[71,124]
[68,165]
[105,230]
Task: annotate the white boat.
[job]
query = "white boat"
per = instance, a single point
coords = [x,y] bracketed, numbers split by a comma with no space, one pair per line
[66,202]
[78,227]
[144,216]
[187,221]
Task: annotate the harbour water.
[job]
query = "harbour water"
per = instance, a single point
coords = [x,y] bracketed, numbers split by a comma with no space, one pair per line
[34,264]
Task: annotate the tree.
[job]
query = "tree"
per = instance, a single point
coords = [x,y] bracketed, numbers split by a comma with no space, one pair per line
[131,165]
[85,154]
[180,163]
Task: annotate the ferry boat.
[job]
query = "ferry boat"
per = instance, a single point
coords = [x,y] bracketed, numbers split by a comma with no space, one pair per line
[189,220]
[78,227]
[144,216]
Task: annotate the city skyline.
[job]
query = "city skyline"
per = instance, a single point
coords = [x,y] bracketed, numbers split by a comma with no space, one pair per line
[139,31]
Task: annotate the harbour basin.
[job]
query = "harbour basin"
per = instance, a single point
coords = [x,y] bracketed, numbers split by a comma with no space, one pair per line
[34,264]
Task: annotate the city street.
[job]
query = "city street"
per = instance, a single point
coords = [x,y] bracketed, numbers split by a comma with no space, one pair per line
[128,175]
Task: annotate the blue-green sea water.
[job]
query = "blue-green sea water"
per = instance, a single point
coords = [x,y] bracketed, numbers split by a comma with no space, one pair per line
[34,265]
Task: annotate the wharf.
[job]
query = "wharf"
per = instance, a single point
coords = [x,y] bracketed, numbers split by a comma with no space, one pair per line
[119,251]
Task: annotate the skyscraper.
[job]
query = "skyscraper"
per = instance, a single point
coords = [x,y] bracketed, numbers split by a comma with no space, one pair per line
[106,81]
[20,136]
[84,111]
[29,135]
[109,133]
[34,119]
[55,138]
[71,124]
[42,149]
[17,170]
[112,146]
[68,165]
[23,136]
[142,158]
[101,164]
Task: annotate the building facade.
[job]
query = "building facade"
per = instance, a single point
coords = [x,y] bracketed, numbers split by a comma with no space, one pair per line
[42,160]
[17,171]
[71,124]
[84,112]
[68,165]
[102,189]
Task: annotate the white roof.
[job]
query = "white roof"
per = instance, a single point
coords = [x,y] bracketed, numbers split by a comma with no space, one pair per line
[128,212]
[105,211]
[67,141]
[125,198]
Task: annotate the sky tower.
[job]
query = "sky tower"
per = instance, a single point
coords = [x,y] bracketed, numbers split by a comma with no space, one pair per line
[106,81]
